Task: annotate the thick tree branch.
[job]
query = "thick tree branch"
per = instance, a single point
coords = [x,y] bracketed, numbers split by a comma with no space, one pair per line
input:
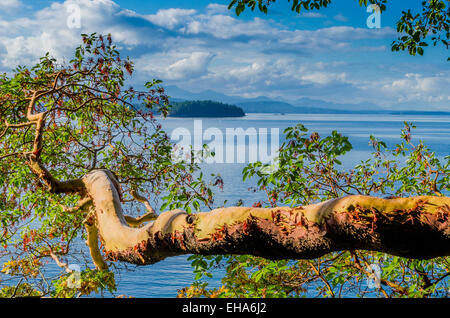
[92,243]
[33,157]
[52,184]
[416,227]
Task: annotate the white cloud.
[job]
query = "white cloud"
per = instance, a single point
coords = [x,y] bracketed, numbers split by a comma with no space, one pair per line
[337,38]
[324,78]
[348,33]
[10,5]
[171,18]
[340,17]
[416,87]
[214,8]
[176,65]
[195,65]
[227,27]
[249,74]
[48,30]
[313,15]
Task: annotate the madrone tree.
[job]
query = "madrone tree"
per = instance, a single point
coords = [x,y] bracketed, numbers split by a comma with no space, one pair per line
[78,150]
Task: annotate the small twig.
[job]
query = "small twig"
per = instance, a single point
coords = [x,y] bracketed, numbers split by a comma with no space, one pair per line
[59,263]
[143,200]
[17,288]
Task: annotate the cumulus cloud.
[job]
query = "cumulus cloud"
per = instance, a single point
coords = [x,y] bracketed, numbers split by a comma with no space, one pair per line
[416,87]
[50,30]
[10,5]
[171,18]
[195,65]
[214,8]
[176,65]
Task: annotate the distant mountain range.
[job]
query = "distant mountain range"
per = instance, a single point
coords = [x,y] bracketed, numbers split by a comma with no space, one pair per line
[304,105]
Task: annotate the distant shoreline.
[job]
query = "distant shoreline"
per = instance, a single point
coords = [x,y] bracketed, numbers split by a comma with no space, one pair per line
[351,112]
[219,116]
[417,113]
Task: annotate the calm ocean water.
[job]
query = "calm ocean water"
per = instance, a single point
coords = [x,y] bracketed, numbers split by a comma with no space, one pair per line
[166,277]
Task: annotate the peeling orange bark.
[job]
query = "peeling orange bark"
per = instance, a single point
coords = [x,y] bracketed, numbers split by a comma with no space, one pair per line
[416,227]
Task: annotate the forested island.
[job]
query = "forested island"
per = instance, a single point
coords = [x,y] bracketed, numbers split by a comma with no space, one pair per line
[206,108]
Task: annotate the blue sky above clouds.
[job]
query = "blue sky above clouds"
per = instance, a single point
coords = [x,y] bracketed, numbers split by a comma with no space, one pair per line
[199,45]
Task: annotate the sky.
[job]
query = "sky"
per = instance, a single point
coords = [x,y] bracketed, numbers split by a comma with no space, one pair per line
[199,45]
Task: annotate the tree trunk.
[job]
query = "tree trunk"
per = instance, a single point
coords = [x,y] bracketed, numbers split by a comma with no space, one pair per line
[416,227]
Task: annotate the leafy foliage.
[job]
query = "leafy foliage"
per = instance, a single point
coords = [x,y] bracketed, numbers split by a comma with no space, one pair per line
[89,281]
[434,20]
